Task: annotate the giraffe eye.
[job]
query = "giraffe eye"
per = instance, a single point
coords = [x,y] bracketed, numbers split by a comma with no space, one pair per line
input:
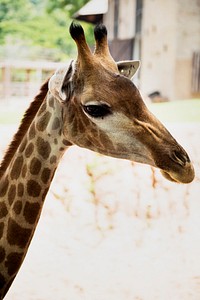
[97,111]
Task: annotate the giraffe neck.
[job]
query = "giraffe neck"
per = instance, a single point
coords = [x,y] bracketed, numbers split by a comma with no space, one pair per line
[24,185]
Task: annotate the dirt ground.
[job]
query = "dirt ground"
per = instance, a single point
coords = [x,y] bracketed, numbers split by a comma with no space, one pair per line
[114,230]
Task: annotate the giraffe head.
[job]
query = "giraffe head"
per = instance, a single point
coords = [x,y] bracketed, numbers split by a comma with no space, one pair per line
[103,110]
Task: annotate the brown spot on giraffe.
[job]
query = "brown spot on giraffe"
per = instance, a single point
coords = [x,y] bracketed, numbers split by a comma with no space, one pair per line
[16,169]
[2,281]
[1,229]
[29,150]
[24,170]
[13,262]
[51,102]
[53,159]
[2,254]
[11,193]
[32,131]
[46,174]
[15,230]
[45,193]
[43,147]
[35,166]
[4,186]
[17,207]
[3,210]
[66,142]
[33,188]
[43,121]
[31,211]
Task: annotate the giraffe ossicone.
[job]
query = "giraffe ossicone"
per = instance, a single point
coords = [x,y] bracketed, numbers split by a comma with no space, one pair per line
[92,103]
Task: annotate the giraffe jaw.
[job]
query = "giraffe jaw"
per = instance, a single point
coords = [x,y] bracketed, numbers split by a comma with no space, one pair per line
[186,176]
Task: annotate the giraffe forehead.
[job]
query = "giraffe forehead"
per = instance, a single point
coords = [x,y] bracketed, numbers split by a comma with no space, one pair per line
[119,94]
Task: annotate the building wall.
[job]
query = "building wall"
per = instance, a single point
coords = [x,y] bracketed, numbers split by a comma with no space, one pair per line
[126,28]
[170,35]
[188,41]
[108,19]
[125,22]
[158,46]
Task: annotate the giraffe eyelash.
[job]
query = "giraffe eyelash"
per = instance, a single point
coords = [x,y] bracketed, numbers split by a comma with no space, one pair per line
[97,110]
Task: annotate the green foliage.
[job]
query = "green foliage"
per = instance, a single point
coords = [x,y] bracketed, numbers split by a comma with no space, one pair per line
[40,26]
[69,5]
[15,11]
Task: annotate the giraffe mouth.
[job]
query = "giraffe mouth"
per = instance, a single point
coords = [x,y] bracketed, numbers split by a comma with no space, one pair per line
[167,176]
[175,165]
[184,175]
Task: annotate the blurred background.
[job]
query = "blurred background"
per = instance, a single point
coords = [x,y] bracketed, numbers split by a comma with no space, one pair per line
[164,35]
[110,229]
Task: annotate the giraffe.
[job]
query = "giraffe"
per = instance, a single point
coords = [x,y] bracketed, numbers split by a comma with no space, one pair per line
[92,103]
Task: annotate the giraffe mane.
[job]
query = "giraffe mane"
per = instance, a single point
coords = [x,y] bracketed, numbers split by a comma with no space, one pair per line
[25,123]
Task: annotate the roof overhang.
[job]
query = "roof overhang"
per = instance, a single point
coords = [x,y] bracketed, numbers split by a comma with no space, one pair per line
[92,11]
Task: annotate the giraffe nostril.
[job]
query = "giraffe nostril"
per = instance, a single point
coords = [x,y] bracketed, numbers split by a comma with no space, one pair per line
[180,157]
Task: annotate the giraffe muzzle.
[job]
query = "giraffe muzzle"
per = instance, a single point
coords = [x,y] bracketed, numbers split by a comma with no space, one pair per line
[181,169]
[180,158]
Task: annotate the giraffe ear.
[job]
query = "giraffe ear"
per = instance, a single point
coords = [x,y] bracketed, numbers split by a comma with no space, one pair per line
[60,84]
[128,67]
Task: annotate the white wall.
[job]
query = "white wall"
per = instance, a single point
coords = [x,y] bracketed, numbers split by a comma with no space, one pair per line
[187,41]
[158,46]
[108,19]
[171,32]
[126,21]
